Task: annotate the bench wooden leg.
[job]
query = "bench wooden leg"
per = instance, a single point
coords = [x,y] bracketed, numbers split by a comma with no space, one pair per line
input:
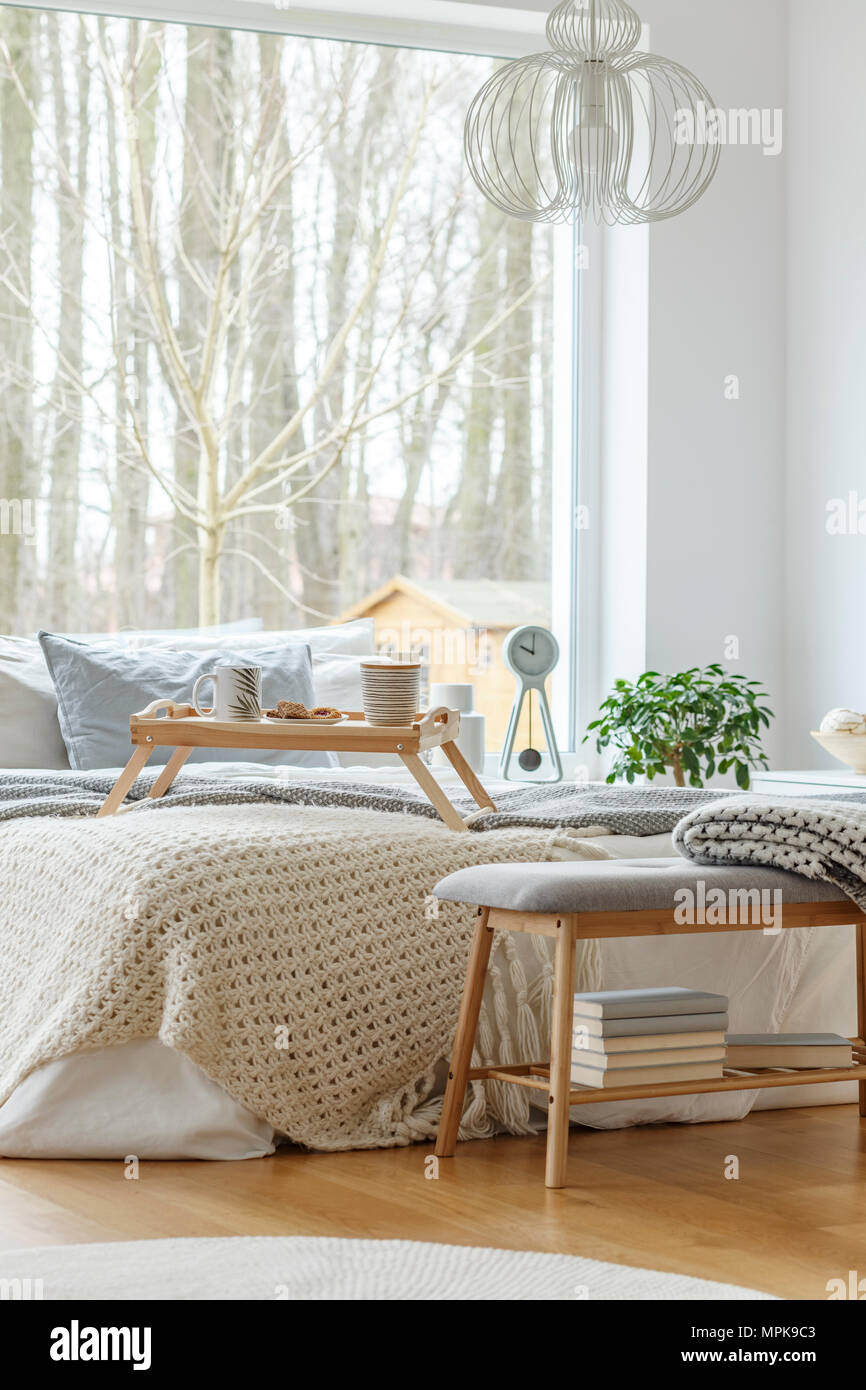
[467,1023]
[861,999]
[169,772]
[118,792]
[560,1055]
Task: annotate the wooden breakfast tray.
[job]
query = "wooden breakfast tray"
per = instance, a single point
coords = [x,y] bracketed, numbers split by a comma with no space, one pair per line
[167,724]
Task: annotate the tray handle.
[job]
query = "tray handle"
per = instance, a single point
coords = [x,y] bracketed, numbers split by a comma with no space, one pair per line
[172,709]
[437,720]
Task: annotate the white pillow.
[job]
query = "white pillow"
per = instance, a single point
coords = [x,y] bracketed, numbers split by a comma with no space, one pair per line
[337,680]
[155,636]
[356,638]
[29,730]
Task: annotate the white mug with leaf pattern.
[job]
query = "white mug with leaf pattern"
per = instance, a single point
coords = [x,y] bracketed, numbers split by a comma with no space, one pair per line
[237,693]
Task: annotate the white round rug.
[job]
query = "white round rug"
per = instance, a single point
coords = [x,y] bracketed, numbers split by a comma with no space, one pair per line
[311,1268]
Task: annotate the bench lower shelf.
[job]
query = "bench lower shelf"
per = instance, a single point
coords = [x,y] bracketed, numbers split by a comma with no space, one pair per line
[536,1075]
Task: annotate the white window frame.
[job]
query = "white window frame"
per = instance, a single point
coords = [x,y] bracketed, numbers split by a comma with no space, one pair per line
[459,26]
[575,549]
[450,26]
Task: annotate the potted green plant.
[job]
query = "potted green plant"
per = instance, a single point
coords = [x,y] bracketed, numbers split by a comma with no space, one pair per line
[695,723]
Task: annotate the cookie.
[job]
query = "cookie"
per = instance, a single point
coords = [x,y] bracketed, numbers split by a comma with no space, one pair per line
[289,709]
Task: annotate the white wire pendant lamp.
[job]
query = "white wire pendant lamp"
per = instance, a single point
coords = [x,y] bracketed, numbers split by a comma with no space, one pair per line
[591,128]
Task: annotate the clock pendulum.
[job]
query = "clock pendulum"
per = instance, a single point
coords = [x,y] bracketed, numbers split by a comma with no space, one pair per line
[530,758]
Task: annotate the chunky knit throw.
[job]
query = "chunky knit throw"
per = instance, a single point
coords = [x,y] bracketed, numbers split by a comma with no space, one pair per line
[294,953]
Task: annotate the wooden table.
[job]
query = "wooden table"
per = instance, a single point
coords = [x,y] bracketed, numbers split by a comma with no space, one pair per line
[166,724]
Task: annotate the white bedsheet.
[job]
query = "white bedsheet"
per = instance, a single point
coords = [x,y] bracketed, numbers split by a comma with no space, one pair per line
[142,1099]
[148,1100]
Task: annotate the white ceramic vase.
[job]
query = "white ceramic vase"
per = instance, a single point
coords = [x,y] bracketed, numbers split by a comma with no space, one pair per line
[473,726]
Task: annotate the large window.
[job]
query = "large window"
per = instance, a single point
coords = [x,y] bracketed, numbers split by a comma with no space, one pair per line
[266,351]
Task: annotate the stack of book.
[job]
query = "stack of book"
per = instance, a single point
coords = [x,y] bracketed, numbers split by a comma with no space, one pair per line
[642,1037]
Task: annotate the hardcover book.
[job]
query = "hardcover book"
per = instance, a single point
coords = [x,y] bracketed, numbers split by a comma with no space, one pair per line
[789,1050]
[642,1027]
[663,1057]
[645,1076]
[644,1042]
[648,1003]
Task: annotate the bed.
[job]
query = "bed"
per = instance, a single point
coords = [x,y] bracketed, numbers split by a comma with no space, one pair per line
[160,1090]
[146,1097]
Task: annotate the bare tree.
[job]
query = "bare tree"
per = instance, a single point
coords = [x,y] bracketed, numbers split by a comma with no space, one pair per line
[19,478]
[72,140]
[130,485]
[260,355]
[514,501]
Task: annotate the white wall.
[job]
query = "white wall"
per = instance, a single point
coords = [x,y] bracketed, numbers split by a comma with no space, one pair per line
[712,473]
[717,307]
[622,487]
[698,498]
[765,278]
[826,575]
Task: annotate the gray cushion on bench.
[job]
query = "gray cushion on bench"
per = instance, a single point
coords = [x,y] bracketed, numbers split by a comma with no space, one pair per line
[616,885]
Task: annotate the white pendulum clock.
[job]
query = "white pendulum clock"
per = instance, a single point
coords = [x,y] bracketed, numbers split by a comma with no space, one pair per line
[531,653]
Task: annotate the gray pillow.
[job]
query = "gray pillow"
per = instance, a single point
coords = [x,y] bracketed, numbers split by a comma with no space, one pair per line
[99,686]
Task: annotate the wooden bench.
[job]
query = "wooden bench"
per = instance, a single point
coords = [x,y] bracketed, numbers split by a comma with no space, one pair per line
[571,902]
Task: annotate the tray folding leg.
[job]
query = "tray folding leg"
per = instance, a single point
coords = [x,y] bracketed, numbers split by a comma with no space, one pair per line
[172,768]
[467,776]
[434,793]
[118,792]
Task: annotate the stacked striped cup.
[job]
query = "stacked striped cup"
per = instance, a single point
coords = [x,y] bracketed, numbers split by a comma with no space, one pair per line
[391,690]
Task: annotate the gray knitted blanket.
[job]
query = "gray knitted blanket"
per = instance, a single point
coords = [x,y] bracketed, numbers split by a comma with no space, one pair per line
[818,838]
[574,806]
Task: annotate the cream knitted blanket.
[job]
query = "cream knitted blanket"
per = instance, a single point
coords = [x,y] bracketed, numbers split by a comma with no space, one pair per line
[295,954]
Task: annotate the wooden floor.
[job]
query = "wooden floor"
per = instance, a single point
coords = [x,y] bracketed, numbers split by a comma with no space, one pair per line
[654,1196]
